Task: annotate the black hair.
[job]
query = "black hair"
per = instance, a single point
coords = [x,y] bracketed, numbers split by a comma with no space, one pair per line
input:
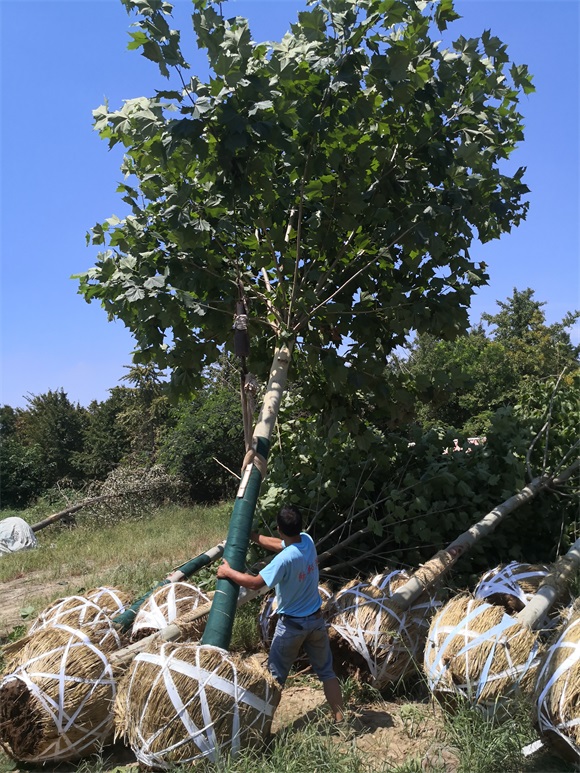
[289,521]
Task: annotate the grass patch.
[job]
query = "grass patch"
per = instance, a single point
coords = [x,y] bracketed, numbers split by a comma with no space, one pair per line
[132,554]
[486,745]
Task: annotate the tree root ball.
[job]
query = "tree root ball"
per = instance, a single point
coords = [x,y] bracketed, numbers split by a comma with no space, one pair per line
[185,703]
[111,600]
[557,692]
[164,606]
[57,703]
[476,651]
[82,614]
[371,635]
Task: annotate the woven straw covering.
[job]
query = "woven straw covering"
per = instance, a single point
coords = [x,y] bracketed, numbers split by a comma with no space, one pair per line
[558,691]
[181,703]
[268,616]
[80,613]
[57,702]
[111,600]
[164,606]
[477,651]
[369,632]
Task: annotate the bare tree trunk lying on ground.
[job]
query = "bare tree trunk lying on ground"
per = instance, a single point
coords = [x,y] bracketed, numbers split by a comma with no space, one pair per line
[75,508]
[432,571]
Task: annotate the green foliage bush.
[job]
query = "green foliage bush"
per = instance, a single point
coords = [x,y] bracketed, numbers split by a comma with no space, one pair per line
[412,494]
[207,428]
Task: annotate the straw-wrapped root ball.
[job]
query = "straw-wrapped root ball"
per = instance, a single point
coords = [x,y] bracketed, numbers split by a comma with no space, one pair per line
[168,603]
[513,585]
[370,634]
[80,613]
[268,615]
[111,600]
[558,692]
[57,703]
[476,651]
[183,703]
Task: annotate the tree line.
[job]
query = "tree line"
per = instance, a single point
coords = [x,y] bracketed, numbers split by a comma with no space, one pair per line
[454,387]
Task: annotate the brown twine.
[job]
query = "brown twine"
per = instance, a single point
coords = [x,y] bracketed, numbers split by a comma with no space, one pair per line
[257,460]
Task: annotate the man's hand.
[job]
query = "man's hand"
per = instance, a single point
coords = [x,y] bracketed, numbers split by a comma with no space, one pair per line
[251,581]
[224,570]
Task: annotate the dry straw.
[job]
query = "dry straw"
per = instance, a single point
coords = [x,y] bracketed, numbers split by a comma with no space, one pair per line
[111,600]
[57,702]
[80,613]
[183,703]
[558,692]
[477,651]
[370,633]
[168,603]
[268,615]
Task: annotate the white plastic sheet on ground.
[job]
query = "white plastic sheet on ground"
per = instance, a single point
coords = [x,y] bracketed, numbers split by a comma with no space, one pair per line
[16,534]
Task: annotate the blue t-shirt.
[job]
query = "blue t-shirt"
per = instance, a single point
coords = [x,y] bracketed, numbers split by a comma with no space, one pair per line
[294,572]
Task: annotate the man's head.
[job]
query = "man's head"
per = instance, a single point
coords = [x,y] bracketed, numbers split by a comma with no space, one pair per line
[289,521]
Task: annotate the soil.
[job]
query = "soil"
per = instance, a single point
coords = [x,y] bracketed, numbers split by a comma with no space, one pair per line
[31,588]
[382,730]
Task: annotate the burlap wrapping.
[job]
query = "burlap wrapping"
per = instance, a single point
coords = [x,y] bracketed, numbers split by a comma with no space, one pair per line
[80,613]
[164,606]
[183,703]
[385,639]
[268,615]
[557,692]
[57,702]
[477,651]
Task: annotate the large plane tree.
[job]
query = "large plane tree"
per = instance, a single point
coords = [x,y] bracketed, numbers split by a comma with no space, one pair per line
[326,188]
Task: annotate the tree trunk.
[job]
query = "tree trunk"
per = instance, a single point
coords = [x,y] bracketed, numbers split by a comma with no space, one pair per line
[552,585]
[218,631]
[431,572]
[74,509]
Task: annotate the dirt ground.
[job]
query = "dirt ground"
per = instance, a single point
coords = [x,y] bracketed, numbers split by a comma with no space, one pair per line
[383,730]
[14,594]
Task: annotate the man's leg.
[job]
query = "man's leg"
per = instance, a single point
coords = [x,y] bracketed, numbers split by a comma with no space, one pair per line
[333,695]
[317,647]
[288,638]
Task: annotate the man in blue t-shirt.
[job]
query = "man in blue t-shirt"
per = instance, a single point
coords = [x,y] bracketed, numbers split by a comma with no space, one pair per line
[294,573]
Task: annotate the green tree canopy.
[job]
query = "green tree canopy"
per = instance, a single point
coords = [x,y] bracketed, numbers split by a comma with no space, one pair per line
[53,425]
[333,181]
[461,383]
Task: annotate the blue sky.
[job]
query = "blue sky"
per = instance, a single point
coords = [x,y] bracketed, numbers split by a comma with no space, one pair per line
[59,60]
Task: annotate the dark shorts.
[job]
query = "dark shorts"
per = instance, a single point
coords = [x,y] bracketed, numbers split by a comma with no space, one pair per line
[294,632]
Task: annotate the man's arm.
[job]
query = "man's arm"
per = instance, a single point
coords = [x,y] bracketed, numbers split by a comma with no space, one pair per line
[274,544]
[250,581]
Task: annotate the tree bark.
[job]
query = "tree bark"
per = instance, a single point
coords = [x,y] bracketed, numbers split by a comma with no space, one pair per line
[565,569]
[431,572]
